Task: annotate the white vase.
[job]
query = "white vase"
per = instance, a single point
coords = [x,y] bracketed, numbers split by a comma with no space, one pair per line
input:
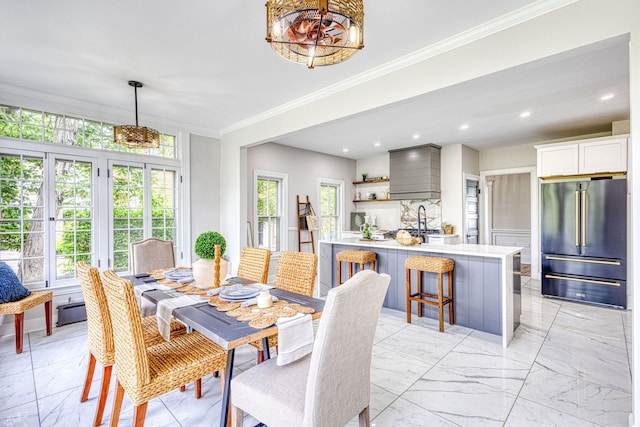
[203,272]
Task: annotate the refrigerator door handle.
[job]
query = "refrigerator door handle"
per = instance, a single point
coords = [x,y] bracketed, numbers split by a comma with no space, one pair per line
[597,282]
[588,261]
[583,218]
[577,218]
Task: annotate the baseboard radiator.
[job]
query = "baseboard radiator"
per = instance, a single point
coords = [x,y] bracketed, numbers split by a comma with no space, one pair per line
[71,313]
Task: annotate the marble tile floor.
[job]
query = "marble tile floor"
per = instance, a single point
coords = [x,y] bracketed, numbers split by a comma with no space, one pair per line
[569,364]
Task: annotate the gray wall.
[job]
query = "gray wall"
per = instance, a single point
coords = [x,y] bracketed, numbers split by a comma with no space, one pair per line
[304,168]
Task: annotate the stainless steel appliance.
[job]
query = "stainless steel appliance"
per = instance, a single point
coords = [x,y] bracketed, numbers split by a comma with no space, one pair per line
[584,239]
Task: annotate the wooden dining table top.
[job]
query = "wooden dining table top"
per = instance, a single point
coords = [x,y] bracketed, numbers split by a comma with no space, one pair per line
[227,331]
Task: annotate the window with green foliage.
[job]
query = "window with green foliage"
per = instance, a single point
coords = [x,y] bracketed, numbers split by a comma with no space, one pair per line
[65,198]
[33,125]
[74,215]
[329,210]
[22,242]
[269,210]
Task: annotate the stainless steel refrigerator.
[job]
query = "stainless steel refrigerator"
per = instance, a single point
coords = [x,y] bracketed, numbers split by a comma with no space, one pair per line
[584,239]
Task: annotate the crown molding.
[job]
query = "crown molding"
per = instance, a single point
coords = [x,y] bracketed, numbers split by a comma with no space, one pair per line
[471,35]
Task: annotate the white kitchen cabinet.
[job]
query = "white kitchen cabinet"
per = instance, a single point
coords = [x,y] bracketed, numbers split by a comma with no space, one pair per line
[557,159]
[598,155]
[603,156]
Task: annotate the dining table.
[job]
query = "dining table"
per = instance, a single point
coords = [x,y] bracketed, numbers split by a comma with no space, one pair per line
[227,331]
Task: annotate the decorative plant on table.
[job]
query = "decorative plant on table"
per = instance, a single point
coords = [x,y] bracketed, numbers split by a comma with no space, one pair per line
[203,269]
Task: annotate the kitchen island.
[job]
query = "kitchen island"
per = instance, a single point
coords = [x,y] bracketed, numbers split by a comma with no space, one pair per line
[486,280]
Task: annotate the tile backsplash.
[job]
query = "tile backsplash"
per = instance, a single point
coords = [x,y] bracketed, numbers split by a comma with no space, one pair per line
[409,213]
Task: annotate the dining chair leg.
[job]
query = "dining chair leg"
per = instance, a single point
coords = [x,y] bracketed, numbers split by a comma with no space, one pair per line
[237,416]
[117,405]
[260,356]
[363,418]
[88,378]
[139,413]
[198,388]
[183,388]
[104,393]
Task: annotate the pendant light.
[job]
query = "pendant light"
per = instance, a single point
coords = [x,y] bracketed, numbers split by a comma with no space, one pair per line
[136,136]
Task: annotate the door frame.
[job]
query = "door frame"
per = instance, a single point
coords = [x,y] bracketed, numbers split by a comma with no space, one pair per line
[465,220]
[535,211]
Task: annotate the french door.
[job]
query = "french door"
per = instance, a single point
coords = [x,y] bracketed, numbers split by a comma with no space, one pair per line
[143,204]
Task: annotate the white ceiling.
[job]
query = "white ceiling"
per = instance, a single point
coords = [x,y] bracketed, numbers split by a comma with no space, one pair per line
[206,67]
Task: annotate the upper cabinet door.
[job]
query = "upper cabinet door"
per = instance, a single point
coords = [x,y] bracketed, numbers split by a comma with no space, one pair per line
[557,160]
[603,156]
[598,155]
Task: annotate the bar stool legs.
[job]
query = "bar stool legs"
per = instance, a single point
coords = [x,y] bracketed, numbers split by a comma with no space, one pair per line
[430,265]
[355,256]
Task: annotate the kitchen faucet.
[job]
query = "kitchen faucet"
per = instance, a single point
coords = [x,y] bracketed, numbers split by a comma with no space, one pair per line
[420,219]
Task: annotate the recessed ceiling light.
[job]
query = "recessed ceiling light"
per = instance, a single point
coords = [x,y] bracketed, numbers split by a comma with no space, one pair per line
[464,127]
[376,144]
[344,150]
[416,136]
[525,114]
[606,97]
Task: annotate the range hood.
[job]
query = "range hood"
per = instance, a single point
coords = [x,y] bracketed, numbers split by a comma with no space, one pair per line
[414,172]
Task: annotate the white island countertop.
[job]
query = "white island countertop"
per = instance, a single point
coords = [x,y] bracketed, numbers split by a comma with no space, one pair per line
[501,292]
[456,249]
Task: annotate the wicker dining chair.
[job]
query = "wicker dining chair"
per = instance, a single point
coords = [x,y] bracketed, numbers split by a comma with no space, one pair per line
[151,254]
[332,385]
[149,372]
[295,272]
[100,334]
[254,264]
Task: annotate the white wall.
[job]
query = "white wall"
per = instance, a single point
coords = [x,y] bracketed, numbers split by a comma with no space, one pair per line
[387,213]
[304,169]
[204,158]
[458,161]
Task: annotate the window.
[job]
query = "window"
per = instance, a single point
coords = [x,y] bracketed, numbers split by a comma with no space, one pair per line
[22,216]
[65,198]
[329,210]
[270,191]
[74,214]
[32,125]
[139,193]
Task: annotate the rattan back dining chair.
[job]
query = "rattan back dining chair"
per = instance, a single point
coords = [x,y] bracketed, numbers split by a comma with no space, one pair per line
[145,373]
[151,254]
[100,334]
[254,264]
[332,385]
[295,272]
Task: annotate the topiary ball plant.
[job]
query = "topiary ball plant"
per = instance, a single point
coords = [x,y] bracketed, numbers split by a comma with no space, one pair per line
[206,244]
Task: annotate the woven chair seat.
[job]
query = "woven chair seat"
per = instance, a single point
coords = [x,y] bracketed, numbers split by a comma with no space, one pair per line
[36,298]
[356,255]
[429,264]
[175,363]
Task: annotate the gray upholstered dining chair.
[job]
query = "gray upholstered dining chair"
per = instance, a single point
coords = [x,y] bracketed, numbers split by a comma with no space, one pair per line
[151,254]
[332,385]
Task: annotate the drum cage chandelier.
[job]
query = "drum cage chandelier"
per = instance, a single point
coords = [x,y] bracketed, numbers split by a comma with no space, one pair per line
[315,32]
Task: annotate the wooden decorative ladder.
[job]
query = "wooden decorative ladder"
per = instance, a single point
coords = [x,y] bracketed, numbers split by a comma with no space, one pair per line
[304,209]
